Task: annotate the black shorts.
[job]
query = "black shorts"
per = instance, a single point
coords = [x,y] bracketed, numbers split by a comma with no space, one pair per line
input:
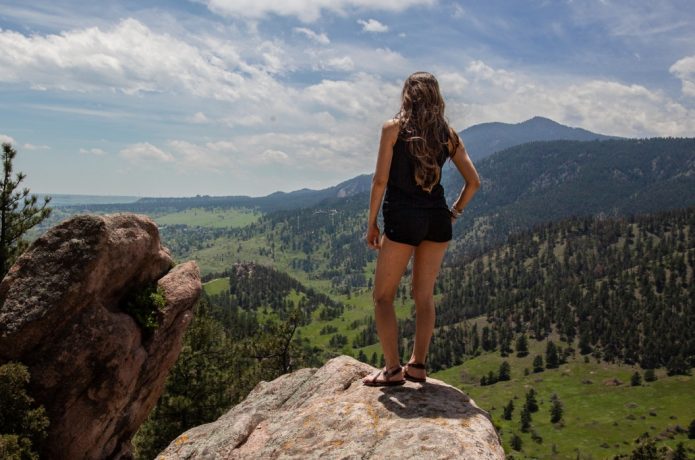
[412,225]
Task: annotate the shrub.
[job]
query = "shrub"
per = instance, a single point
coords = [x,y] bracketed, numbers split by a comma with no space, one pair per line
[145,305]
[649,375]
[22,426]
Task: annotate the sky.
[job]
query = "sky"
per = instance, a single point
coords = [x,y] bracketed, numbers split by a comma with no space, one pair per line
[249,97]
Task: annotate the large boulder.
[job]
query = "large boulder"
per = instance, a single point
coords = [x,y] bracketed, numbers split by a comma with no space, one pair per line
[96,371]
[328,413]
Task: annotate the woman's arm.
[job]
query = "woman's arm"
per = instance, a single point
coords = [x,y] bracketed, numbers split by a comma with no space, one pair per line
[389,134]
[470,175]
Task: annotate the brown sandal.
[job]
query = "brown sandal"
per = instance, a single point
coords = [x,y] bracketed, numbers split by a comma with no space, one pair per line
[415,366]
[387,373]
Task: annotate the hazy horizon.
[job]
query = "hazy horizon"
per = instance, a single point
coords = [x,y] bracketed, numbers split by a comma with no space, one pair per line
[221,97]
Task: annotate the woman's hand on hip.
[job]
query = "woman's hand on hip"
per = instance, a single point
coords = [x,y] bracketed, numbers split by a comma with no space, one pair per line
[373,240]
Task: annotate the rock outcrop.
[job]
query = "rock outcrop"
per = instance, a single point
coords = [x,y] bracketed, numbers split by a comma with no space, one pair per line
[328,413]
[92,366]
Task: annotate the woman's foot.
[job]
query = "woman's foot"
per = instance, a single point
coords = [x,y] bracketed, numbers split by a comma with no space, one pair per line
[415,372]
[385,377]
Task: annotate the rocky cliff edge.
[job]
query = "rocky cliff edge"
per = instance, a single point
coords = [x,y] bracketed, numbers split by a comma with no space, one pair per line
[328,413]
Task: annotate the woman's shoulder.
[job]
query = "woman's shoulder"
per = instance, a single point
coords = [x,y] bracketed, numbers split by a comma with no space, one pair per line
[390,129]
[391,125]
[454,141]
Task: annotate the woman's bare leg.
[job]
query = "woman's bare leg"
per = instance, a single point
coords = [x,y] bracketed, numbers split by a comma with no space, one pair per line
[390,265]
[426,265]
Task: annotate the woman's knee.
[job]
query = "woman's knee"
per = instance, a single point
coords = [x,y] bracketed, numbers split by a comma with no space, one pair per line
[423,298]
[383,299]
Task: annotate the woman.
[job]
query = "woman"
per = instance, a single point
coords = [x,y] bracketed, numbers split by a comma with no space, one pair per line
[417,221]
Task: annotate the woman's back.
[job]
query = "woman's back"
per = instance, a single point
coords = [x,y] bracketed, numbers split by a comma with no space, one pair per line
[402,191]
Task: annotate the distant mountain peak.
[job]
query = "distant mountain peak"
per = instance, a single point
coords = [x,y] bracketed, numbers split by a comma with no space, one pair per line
[484,139]
[540,119]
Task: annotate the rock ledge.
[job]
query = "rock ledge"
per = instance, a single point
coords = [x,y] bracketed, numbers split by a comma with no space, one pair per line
[328,413]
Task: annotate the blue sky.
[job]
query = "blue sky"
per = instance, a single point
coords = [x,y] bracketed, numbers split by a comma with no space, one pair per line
[247,97]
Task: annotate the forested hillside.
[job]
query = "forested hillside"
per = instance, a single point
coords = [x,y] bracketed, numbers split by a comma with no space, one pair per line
[619,288]
[543,181]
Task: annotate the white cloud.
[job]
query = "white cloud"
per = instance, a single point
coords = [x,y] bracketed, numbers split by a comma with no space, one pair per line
[129,58]
[481,93]
[363,95]
[198,118]
[145,151]
[275,59]
[372,25]
[273,156]
[243,120]
[635,20]
[311,35]
[381,61]
[210,157]
[684,69]
[479,71]
[5,139]
[452,83]
[344,63]
[305,10]
[93,151]
[35,146]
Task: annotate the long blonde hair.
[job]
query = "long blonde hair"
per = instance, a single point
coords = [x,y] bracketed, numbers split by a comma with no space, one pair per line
[422,122]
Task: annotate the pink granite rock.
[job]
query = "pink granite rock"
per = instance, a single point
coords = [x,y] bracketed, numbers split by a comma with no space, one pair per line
[328,413]
[92,367]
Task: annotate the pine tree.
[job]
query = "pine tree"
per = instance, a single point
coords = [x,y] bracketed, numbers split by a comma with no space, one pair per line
[15,222]
[538,364]
[525,420]
[551,358]
[691,429]
[516,442]
[584,343]
[22,424]
[504,371]
[556,410]
[362,356]
[531,403]
[508,410]
[491,378]
[636,379]
[680,453]
[521,346]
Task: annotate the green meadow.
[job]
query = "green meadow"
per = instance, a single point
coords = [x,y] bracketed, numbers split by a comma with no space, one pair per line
[600,419]
[215,218]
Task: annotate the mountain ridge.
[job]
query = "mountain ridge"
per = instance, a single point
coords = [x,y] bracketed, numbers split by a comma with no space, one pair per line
[481,141]
[484,139]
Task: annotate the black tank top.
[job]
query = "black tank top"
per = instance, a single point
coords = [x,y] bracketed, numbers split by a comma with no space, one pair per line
[402,191]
